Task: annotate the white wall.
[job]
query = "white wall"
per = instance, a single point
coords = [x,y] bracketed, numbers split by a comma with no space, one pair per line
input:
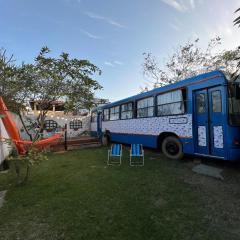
[61,121]
[4,147]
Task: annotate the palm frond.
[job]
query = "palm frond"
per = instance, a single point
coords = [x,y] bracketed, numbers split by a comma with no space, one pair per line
[237,10]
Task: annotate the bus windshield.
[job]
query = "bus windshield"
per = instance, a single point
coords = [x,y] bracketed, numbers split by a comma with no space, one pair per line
[234,103]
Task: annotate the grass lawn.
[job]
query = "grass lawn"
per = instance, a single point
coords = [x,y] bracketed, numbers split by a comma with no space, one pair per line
[76,196]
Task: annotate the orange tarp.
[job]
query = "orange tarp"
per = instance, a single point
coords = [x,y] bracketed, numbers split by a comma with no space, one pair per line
[13,132]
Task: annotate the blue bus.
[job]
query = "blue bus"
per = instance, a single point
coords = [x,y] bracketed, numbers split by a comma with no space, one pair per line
[198,115]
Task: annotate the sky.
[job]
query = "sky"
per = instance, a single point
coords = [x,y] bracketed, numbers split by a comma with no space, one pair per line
[114,34]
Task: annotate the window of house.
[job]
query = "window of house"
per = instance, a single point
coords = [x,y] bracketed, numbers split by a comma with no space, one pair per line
[50,125]
[105,114]
[170,103]
[145,107]
[75,124]
[114,113]
[127,111]
[94,117]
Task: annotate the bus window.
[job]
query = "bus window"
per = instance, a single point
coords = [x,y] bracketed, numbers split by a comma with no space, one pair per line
[127,111]
[105,114]
[216,101]
[201,105]
[170,103]
[145,107]
[234,106]
[114,113]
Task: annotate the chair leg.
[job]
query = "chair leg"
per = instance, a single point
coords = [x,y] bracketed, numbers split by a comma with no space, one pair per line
[111,163]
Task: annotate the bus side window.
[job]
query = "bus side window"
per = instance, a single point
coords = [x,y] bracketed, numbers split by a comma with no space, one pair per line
[201,106]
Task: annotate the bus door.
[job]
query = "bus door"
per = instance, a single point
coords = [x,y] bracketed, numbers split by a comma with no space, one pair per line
[99,124]
[209,121]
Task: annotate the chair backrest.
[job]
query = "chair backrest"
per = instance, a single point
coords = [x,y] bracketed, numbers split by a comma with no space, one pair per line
[116,149]
[136,149]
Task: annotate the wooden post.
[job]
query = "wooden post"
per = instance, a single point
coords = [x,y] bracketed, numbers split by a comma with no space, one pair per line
[65,138]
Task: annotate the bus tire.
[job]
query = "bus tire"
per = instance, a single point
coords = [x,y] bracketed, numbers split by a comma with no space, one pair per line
[172,148]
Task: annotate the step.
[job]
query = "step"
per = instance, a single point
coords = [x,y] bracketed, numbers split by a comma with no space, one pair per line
[72,147]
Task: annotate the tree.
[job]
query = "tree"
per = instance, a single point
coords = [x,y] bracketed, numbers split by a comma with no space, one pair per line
[62,78]
[189,60]
[237,22]
[33,157]
[11,82]
[47,80]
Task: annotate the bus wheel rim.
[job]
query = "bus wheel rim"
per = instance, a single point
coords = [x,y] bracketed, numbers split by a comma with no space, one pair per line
[172,148]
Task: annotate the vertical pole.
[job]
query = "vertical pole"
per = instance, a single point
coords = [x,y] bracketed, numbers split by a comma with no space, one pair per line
[65,138]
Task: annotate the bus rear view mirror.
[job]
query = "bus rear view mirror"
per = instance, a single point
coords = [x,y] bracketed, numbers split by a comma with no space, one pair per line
[237,91]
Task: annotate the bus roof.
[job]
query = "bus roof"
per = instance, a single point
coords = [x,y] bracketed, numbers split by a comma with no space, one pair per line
[169,87]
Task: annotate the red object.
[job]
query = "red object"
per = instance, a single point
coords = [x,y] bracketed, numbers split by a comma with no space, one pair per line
[13,132]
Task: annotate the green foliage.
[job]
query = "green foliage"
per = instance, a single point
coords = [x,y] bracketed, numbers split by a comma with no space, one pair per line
[62,78]
[12,82]
[54,79]
[237,72]
[33,157]
[189,60]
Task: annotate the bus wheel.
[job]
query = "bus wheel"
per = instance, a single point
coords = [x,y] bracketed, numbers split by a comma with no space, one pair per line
[172,148]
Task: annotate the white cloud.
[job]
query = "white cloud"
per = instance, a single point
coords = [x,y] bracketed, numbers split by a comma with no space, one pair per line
[181,5]
[118,62]
[109,64]
[174,26]
[108,20]
[113,63]
[178,5]
[192,4]
[73,1]
[90,35]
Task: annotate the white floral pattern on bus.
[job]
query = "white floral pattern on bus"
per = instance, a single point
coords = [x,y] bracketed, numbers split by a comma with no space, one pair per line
[152,125]
[218,136]
[202,138]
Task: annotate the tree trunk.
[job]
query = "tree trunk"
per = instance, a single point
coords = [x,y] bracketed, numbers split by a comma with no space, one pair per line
[24,126]
[27,174]
[17,170]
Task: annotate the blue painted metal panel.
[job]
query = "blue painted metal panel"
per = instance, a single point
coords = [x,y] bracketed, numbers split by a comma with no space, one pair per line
[188,146]
[201,123]
[217,120]
[145,140]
